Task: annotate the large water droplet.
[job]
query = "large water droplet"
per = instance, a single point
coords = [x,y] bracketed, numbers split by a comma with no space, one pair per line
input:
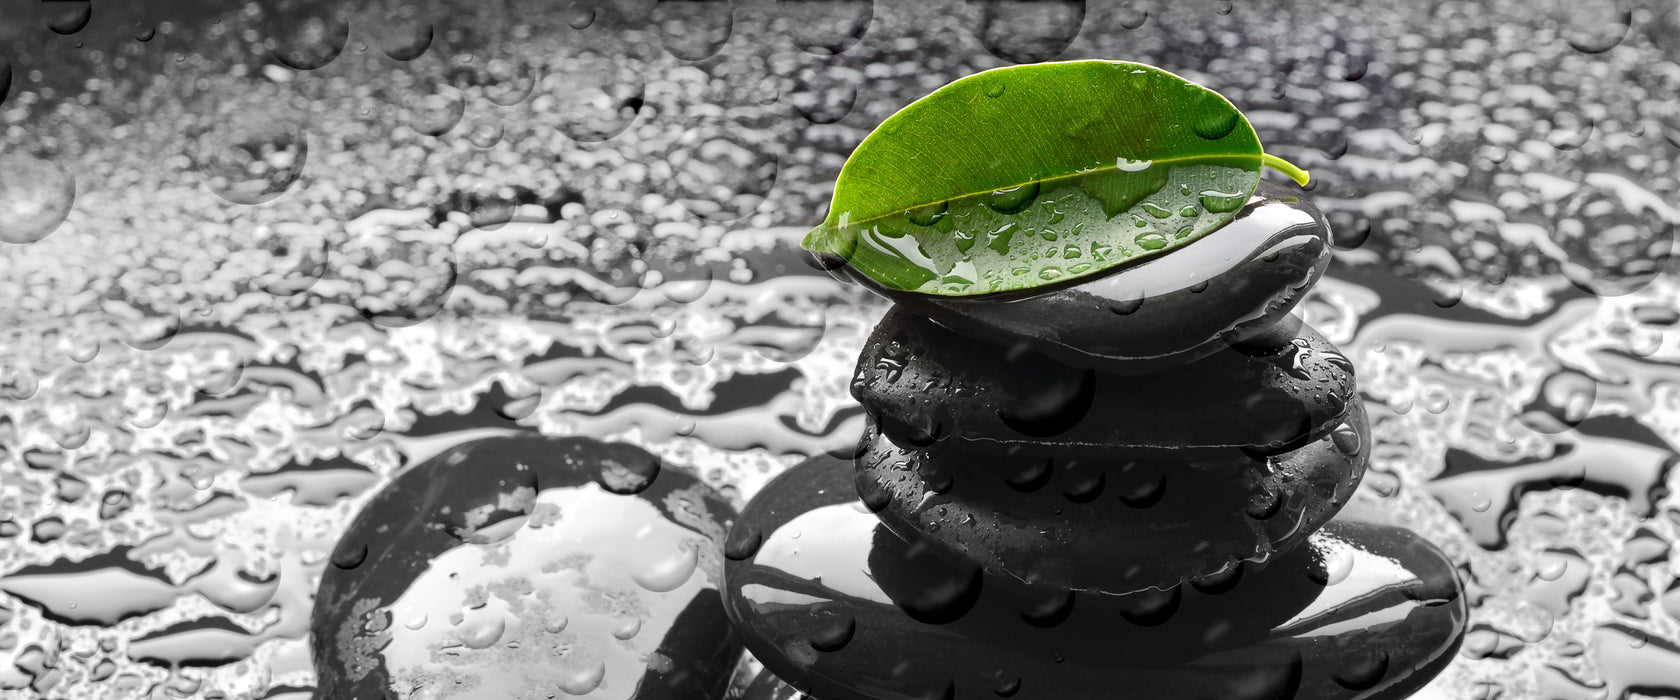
[583,680]
[1029,32]
[1219,202]
[310,42]
[825,95]
[253,157]
[1597,26]
[1217,123]
[72,19]
[694,30]
[406,39]
[36,196]
[596,98]
[1013,199]
[833,634]
[825,27]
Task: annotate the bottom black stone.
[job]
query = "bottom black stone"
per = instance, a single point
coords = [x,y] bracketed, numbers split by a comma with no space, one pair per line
[840,607]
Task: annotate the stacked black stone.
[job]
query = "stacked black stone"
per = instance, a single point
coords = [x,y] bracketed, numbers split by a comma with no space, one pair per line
[1128,486]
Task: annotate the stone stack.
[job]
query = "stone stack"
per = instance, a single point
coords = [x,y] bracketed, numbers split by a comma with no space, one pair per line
[1126,486]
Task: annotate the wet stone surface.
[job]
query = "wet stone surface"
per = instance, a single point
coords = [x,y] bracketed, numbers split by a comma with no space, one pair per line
[926,384]
[766,686]
[1114,525]
[529,566]
[835,602]
[1236,281]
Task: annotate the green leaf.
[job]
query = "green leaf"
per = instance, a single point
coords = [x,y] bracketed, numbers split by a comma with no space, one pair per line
[1037,174]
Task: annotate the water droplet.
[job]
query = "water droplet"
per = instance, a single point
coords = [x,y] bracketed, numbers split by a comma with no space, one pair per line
[743,543]
[1156,210]
[312,43]
[252,158]
[1363,673]
[349,556]
[826,28]
[928,215]
[833,634]
[406,40]
[824,96]
[1218,123]
[628,630]
[1029,32]
[1127,305]
[584,680]
[1152,240]
[72,20]
[1013,199]
[1355,68]
[1264,505]
[1450,296]
[693,31]
[1151,607]
[596,97]
[36,196]
[1127,165]
[1031,477]
[631,478]
[995,88]
[1349,231]
[671,572]
[1219,202]
[1599,26]
[1347,439]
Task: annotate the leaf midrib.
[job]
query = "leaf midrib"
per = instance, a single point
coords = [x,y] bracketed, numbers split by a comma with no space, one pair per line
[1083,173]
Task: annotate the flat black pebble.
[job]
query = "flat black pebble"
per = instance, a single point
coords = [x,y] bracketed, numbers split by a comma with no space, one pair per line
[1114,525]
[1361,603]
[1187,303]
[530,566]
[925,383]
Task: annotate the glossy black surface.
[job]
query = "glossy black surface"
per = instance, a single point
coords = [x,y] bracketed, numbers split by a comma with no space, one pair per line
[833,601]
[925,384]
[529,566]
[766,686]
[1113,526]
[1173,308]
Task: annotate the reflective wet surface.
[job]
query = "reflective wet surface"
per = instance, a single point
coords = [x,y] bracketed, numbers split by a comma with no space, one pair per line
[199,395]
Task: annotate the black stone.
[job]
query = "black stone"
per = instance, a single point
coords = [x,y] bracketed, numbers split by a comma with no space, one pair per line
[1362,610]
[1226,286]
[530,566]
[1114,525]
[924,384]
